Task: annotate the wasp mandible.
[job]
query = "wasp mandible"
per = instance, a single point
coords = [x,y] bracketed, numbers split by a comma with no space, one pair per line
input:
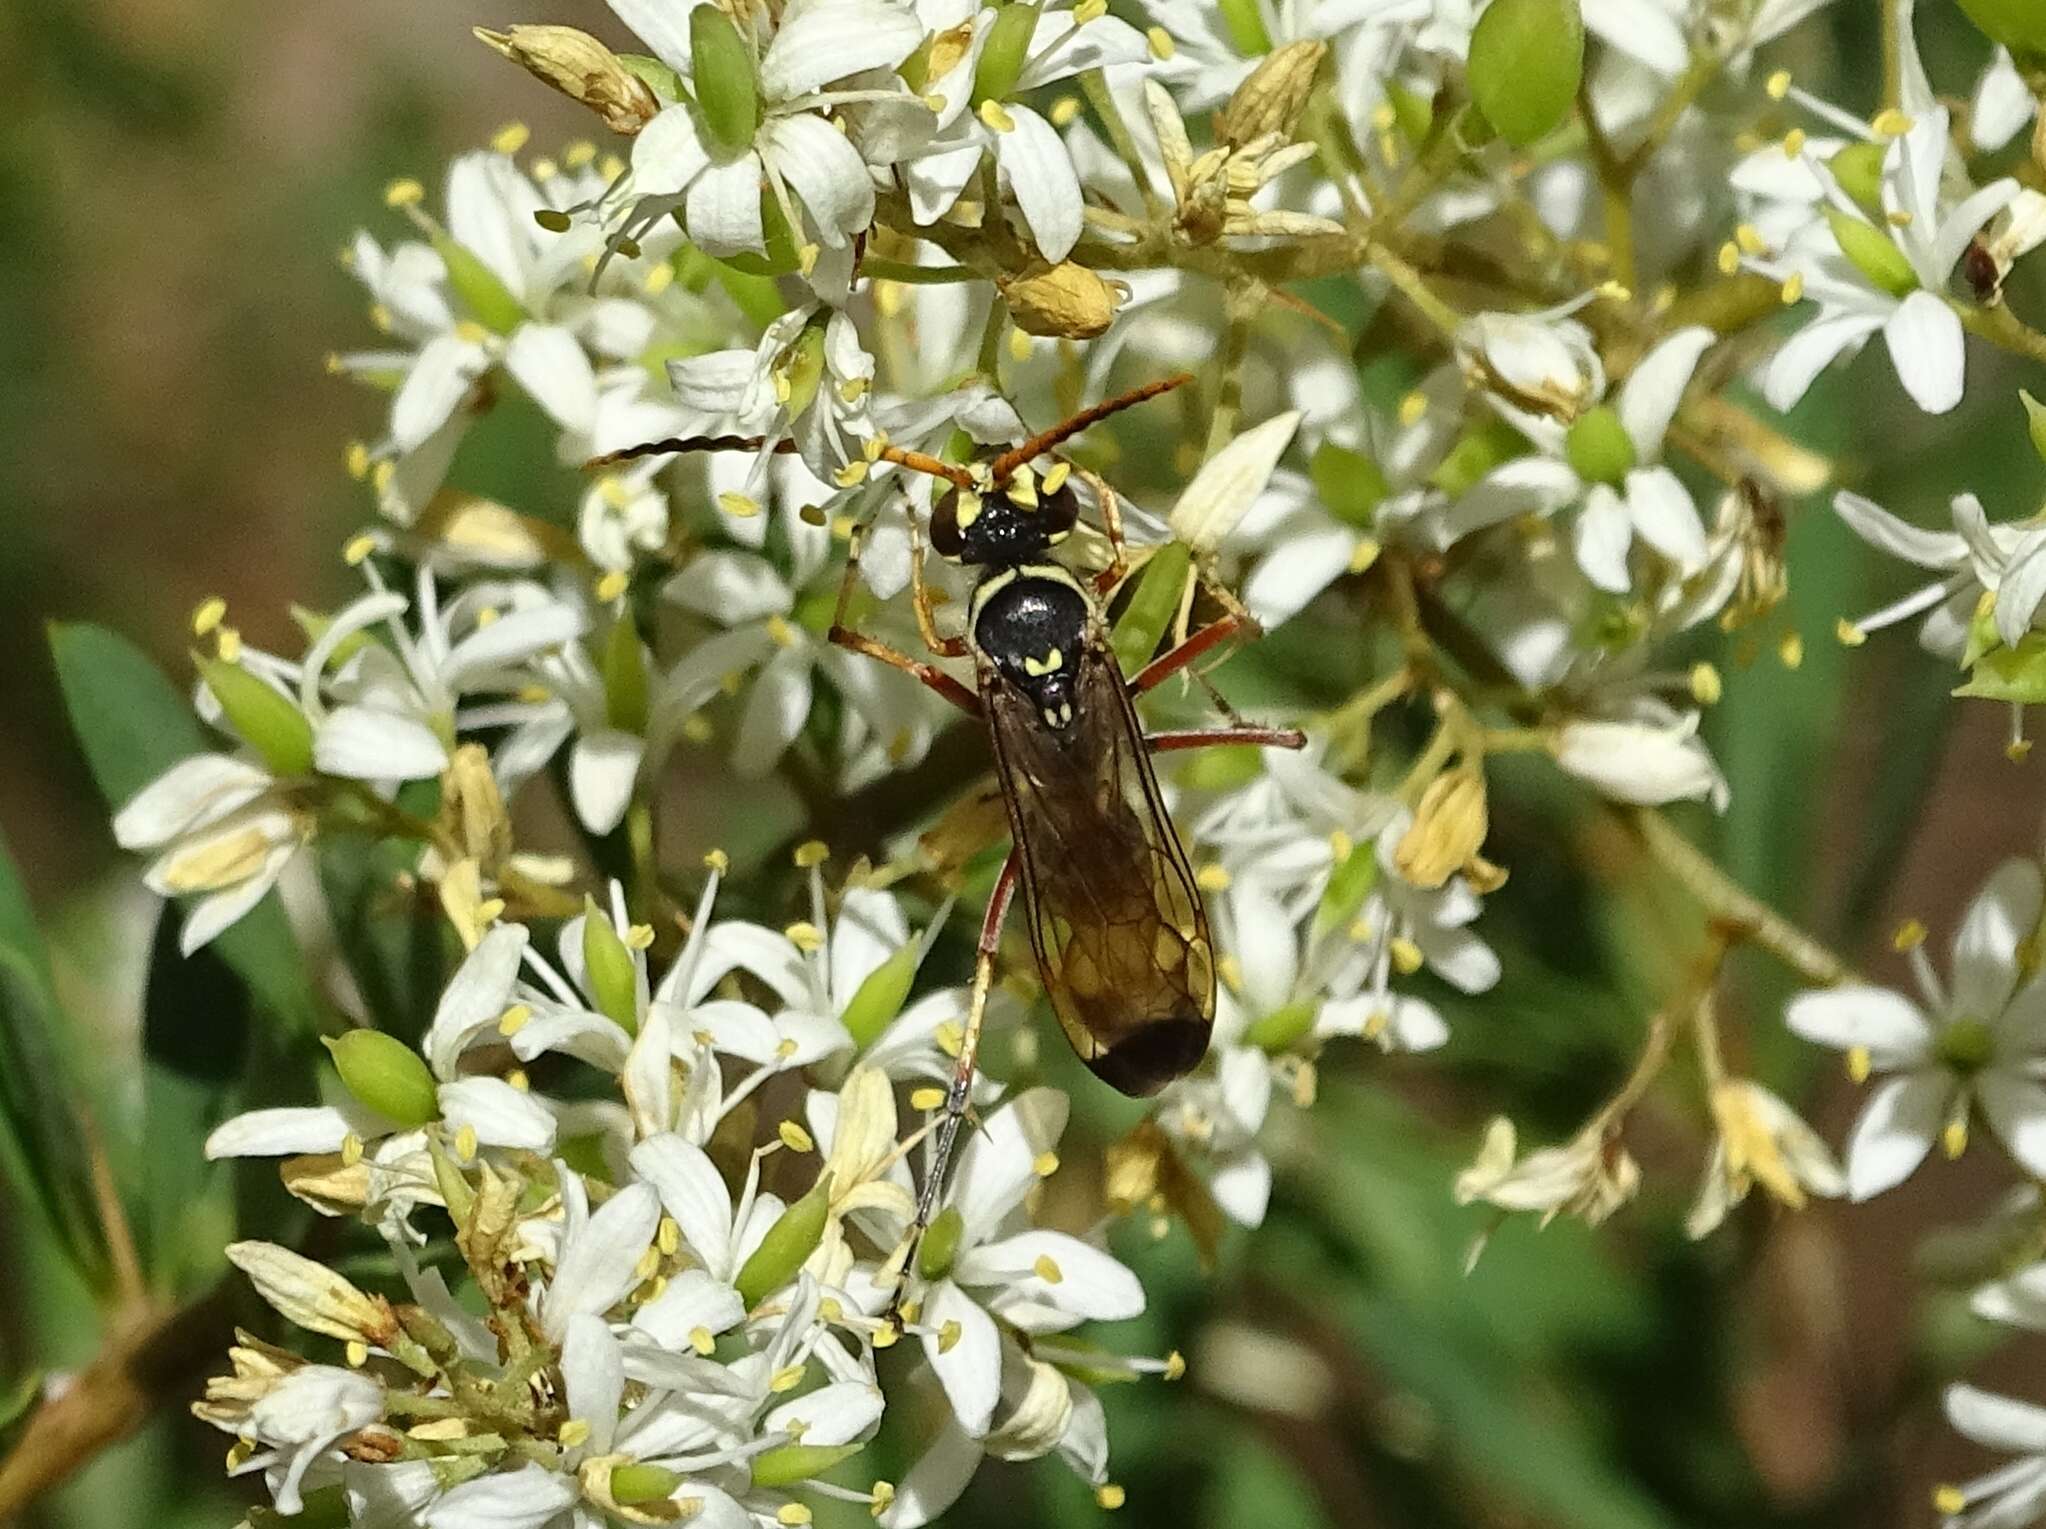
[1115,917]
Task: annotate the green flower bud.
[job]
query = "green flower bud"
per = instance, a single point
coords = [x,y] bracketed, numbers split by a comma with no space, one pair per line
[788,1242]
[1348,482]
[1873,252]
[2020,25]
[637,1482]
[1245,24]
[1279,1030]
[271,724]
[608,970]
[880,997]
[1598,446]
[1526,61]
[489,301]
[1152,605]
[722,70]
[1859,170]
[1349,884]
[1005,52]
[791,1463]
[625,683]
[2035,421]
[386,1075]
[941,1243]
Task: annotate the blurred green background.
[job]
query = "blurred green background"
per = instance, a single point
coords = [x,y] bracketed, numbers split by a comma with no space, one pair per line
[175,181]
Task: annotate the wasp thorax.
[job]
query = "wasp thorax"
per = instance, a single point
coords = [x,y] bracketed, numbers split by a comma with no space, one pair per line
[1004,524]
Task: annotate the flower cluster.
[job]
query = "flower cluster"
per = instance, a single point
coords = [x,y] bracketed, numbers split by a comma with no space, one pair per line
[662,1192]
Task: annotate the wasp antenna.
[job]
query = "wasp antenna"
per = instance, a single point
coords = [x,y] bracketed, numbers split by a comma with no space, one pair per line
[1016,456]
[679,443]
[916,461]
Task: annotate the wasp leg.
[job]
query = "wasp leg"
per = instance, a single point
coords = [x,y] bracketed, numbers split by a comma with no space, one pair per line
[959,1096]
[873,647]
[1170,663]
[1209,737]
[1111,527]
[920,600]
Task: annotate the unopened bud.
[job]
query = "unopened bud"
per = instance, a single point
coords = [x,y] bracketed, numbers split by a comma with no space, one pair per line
[880,997]
[940,1244]
[264,716]
[790,1463]
[581,68]
[725,88]
[1448,829]
[386,1075]
[1873,252]
[1272,96]
[1065,301]
[608,971]
[312,1296]
[1526,60]
[792,1239]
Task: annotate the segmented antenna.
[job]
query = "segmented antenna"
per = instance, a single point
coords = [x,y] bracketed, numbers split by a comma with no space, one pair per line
[1016,456]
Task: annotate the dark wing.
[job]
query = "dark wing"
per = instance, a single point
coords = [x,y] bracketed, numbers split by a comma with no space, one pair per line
[1121,937]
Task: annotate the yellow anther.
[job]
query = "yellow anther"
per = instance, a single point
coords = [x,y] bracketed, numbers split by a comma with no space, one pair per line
[1162,45]
[950,1037]
[1793,143]
[1046,1268]
[380,476]
[1064,111]
[613,585]
[668,1237]
[208,615]
[1778,85]
[717,860]
[2018,750]
[487,616]
[1413,408]
[610,167]
[804,936]
[1045,1164]
[358,549]
[811,852]
[1616,292]
[1360,930]
[639,937]
[1089,10]
[351,1150]
[795,1138]
[465,1144]
[828,1310]
[1175,1365]
[739,505]
[1706,687]
[1850,635]
[1792,290]
[1213,877]
[649,1263]
[787,1378]
[658,279]
[853,474]
[949,1334]
[357,1354]
[471,332]
[1949,1500]
[404,193]
[1729,258]
[545,169]
[1858,1063]
[1891,123]
[887,1335]
[792,1514]
[517,1079]
[1750,239]
[579,153]
[1406,957]
[1790,651]
[779,629]
[490,910]
[881,1494]
[574,1434]
[1020,345]
[1364,554]
[702,1341]
[1908,936]
[510,138]
[1055,478]
[357,461]
[784,1049]
[227,643]
[1110,1496]
[994,116]
[1953,1139]
[924,1100]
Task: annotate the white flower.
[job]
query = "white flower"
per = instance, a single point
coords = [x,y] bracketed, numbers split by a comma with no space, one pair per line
[1027,149]
[1591,1175]
[797,157]
[526,1498]
[1760,1140]
[1930,229]
[223,833]
[2008,561]
[2003,106]
[597,1258]
[1975,1044]
[2013,1495]
[1649,754]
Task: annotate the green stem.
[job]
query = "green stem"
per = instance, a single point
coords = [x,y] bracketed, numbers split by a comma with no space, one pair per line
[916,275]
[1094,85]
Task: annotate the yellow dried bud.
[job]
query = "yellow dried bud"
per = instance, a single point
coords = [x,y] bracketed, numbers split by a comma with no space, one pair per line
[1448,829]
[1272,95]
[1065,301]
[582,69]
[472,807]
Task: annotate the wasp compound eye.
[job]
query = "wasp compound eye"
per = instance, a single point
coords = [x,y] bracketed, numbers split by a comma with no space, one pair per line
[945,538]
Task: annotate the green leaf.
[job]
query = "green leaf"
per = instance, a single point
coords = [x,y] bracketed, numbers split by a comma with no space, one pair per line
[1151,607]
[43,1125]
[1526,60]
[133,725]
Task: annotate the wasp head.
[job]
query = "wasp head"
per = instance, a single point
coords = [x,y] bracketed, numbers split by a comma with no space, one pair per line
[999,525]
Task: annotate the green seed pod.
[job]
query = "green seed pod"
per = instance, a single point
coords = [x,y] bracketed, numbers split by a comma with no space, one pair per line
[788,1242]
[1598,446]
[638,1482]
[1873,252]
[272,725]
[1349,483]
[1279,1030]
[489,301]
[2020,25]
[1152,605]
[722,71]
[880,997]
[941,1244]
[1526,61]
[803,364]
[1859,170]
[608,970]
[1005,52]
[1348,885]
[791,1463]
[625,682]
[386,1075]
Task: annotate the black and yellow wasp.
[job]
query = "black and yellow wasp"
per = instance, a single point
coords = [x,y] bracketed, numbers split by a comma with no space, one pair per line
[1115,916]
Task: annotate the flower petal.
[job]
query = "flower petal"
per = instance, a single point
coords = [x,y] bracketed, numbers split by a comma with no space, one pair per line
[1651,393]
[965,1349]
[1985,953]
[1928,350]
[1998,1422]
[824,42]
[1895,1131]
[370,743]
[826,172]
[1888,1024]
[1942,550]
[1040,172]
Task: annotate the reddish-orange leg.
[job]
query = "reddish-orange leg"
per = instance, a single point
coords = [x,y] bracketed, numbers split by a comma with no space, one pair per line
[873,647]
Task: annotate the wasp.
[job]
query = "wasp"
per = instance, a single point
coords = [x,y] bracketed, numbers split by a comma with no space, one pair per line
[1114,914]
